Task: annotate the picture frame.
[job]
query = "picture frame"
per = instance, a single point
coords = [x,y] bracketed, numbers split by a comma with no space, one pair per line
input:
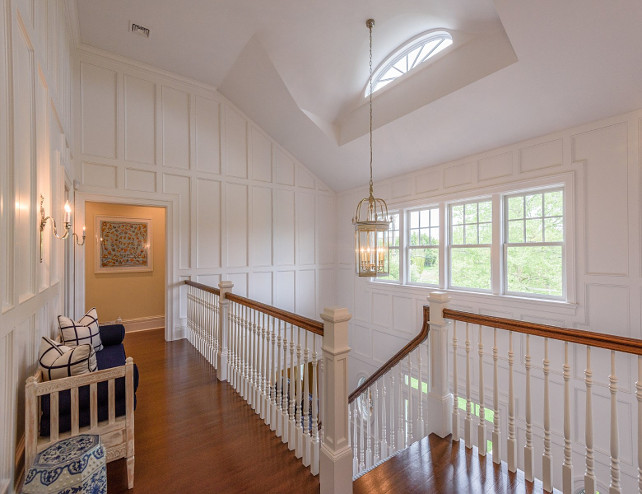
[123,245]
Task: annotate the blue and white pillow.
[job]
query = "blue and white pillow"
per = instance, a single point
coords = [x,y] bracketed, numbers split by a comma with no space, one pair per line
[82,332]
[58,361]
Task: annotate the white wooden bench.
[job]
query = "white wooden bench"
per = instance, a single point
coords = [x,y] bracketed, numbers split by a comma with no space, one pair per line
[116,433]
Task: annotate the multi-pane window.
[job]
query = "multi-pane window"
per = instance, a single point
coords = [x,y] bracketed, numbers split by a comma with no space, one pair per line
[524,254]
[533,243]
[471,236]
[423,246]
[393,249]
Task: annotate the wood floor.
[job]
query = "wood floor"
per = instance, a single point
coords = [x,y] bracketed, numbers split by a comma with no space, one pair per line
[194,434]
[436,465]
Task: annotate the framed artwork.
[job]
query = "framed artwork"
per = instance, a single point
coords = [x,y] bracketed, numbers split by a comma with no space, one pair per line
[123,244]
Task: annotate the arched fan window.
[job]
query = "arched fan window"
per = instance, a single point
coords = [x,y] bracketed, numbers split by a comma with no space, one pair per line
[408,56]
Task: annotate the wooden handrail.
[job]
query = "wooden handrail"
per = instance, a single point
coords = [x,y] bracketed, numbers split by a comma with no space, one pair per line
[396,358]
[289,317]
[599,340]
[205,288]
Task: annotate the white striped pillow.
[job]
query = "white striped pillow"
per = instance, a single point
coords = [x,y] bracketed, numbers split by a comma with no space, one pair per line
[82,332]
[58,361]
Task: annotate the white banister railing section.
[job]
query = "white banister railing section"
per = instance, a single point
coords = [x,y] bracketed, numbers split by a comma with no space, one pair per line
[388,411]
[521,340]
[290,369]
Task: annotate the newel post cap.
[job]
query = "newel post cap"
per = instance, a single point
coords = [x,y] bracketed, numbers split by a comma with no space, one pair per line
[335,314]
[439,297]
[226,285]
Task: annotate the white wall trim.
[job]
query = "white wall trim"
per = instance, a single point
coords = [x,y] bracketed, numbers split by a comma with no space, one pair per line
[141,323]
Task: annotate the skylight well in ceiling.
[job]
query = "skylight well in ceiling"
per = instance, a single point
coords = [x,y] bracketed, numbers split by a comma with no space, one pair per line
[409,56]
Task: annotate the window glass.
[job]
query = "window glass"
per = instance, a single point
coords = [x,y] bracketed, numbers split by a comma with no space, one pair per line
[423,246]
[533,246]
[393,250]
[471,234]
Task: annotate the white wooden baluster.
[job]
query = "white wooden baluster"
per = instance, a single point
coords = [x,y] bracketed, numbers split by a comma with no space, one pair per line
[547,458]
[589,475]
[297,415]
[401,436]
[528,447]
[362,433]
[511,443]
[252,358]
[230,342]
[377,444]
[455,425]
[294,389]
[306,404]
[468,422]
[314,468]
[279,383]
[409,408]
[243,350]
[262,366]
[355,444]
[393,440]
[497,457]
[366,416]
[284,386]
[255,361]
[567,465]
[420,429]
[273,374]
[481,426]
[211,329]
[232,359]
[384,419]
[638,395]
[614,488]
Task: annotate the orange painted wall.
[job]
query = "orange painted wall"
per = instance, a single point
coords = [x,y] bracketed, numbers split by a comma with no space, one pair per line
[125,295]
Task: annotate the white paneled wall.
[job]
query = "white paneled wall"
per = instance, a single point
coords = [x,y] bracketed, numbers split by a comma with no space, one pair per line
[36,46]
[242,208]
[603,160]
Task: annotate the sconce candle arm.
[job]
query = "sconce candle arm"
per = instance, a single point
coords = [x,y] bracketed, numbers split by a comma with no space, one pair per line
[67,225]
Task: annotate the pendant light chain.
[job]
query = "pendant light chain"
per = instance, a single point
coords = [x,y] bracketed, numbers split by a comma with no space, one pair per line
[370,23]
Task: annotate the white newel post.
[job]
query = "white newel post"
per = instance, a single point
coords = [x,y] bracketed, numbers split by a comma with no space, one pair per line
[440,400]
[223,326]
[335,471]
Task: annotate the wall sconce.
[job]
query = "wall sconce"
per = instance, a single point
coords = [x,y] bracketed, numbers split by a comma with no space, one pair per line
[67,220]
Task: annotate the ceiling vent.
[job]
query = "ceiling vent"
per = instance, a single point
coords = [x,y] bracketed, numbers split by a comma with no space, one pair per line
[138,29]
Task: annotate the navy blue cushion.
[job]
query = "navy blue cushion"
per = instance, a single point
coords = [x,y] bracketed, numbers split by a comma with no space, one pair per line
[110,356]
[112,334]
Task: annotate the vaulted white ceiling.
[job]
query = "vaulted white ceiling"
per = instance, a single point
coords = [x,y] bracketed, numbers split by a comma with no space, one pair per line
[299,69]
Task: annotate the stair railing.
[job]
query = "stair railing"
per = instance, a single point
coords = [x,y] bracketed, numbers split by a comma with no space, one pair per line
[482,422]
[387,410]
[290,369]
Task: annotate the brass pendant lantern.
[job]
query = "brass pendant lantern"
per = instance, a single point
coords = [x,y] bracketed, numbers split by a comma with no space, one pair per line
[371,220]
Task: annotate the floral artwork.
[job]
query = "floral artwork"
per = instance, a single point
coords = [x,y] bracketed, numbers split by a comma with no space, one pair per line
[124,244]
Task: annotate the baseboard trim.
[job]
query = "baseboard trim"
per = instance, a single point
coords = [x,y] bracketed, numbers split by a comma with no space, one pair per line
[143,323]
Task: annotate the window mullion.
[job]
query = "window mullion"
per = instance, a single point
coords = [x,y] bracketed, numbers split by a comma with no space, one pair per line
[496,256]
[443,256]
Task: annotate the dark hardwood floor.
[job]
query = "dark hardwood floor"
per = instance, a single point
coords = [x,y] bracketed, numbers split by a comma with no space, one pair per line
[195,434]
[436,465]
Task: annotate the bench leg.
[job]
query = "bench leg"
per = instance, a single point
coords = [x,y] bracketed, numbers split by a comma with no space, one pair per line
[130,472]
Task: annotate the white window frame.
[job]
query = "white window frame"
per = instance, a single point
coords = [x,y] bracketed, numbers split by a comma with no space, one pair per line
[450,245]
[567,181]
[408,247]
[505,244]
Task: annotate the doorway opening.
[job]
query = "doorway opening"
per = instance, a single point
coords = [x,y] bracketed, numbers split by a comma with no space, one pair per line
[125,264]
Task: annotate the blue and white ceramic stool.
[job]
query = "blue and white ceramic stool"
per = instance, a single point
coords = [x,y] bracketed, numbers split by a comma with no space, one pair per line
[70,466]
